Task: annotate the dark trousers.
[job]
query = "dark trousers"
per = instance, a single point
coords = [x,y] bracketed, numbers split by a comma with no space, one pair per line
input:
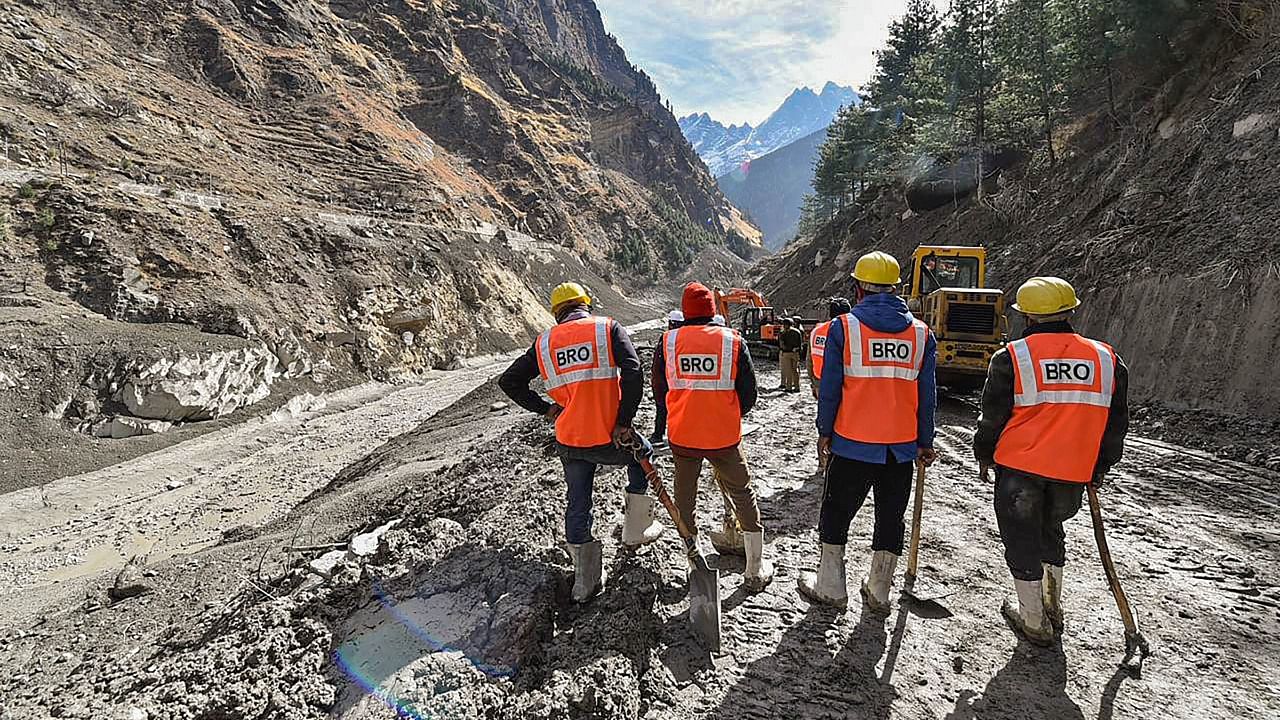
[580,472]
[1030,512]
[847,484]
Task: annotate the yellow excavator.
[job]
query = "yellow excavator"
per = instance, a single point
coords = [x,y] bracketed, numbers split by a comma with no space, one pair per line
[947,290]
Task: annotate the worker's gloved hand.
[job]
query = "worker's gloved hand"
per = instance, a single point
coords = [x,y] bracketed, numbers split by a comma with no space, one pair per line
[984,472]
[1099,479]
[926,456]
[623,435]
[554,412]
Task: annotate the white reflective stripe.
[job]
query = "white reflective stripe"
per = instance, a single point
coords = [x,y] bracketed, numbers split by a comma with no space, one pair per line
[1032,394]
[854,367]
[1026,373]
[604,370]
[724,382]
[1072,397]
[1106,366]
[922,335]
[602,343]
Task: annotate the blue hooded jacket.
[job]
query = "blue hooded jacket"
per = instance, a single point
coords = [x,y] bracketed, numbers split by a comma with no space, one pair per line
[884,312]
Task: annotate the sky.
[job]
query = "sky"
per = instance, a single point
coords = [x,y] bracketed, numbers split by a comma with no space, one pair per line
[739,59]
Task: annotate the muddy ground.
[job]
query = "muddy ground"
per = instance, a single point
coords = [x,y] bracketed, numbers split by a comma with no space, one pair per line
[463,609]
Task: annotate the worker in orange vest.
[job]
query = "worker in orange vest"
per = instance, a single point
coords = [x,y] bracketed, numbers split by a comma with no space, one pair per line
[875,421]
[591,370]
[1054,419]
[706,375]
[836,307]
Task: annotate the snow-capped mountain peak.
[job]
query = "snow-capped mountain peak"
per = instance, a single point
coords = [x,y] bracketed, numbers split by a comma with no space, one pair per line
[804,112]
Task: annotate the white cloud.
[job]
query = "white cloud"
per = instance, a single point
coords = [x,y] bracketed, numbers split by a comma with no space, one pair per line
[738,59]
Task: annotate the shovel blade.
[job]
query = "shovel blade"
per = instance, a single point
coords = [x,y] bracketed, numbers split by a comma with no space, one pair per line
[704,606]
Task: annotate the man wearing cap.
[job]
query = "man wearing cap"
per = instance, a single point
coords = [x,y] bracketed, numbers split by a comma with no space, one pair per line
[591,371]
[790,343]
[875,420]
[705,373]
[1054,418]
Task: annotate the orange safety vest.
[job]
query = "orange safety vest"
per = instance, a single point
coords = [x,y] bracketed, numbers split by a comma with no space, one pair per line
[1063,385]
[577,366]
[818,347]
[703,412]
[881,397]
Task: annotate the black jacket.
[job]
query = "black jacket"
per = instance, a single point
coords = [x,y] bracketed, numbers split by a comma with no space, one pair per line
[745,385]
[791,340]
[515,381]
[997,406]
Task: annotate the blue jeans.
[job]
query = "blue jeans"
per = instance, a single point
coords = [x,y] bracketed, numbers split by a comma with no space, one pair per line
[580,471]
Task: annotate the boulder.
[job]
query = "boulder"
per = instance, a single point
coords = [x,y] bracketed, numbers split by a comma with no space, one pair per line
[126,427]
[1253,125]
[201,387]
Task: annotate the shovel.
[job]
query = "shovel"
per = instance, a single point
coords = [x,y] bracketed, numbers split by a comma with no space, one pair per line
[704,580]
[1134,642]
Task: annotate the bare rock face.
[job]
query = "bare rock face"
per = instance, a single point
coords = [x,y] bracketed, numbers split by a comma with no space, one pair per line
[201,388]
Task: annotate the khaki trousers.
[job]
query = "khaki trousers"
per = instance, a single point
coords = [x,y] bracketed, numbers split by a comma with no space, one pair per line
[790,362]
[731,473]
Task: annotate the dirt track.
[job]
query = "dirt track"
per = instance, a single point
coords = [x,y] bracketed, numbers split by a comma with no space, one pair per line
[464,612]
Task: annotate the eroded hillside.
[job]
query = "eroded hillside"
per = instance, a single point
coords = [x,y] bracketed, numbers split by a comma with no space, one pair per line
[351,187]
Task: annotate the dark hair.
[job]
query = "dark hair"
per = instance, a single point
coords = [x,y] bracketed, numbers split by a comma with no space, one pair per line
[838,306]
[786,322]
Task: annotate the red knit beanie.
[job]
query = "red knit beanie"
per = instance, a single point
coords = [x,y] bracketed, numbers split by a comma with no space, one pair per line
[698,302]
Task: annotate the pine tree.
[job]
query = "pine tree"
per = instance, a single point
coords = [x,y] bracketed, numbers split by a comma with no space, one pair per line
[967,43]
[910,36]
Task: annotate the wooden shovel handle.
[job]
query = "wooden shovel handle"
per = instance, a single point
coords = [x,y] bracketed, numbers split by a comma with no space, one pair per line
[913,558]
[1099,534]
[655,482]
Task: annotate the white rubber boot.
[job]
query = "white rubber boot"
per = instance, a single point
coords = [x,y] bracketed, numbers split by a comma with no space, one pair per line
[1028,618]
[827,586]
[639,525]
[1052,588]
[875,589]
[759,571]
[588,570]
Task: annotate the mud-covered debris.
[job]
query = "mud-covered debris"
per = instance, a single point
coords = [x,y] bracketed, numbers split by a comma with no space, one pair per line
[325,565]
[499,406]
[129,582]
[366,544]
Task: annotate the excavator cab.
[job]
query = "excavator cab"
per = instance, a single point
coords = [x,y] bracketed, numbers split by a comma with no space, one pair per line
[756,321]
[759,323]
[947,290]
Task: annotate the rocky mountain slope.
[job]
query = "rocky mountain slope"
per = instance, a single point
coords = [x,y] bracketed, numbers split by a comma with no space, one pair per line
[770,189]
[725,149]
[336,188]
[1164,222]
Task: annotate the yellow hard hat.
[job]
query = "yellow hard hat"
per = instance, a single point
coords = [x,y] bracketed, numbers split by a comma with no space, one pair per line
[567,293]
[877,268]
[1046,296]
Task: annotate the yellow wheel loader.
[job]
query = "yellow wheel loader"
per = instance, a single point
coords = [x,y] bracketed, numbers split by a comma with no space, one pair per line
[947,290]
